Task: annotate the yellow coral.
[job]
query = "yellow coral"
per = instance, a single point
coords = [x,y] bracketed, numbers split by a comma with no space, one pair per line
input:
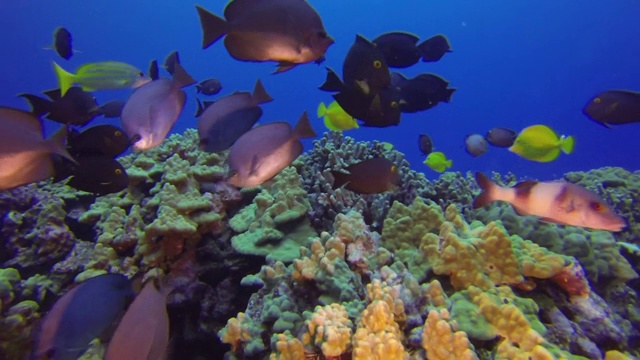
[235,332]
[443,343]
[287,348]
[435,294]
[330,329]
[317,258]
[378,336]
[615,355]
[378,290]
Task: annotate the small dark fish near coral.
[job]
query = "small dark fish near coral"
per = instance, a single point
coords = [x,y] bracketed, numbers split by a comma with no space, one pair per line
[425,144]
[422,92]
[262,152]
[152,109]
[501,137]
[401,49]
[434,48]
[209,87]
[97,174]
[372,176]
[101,140]
[81,315]
[365,67]
[555,202]
[76,107]
[475,145]
[287,31]
[62,43]
[112,109]
[143,332]
[614,107]
[24,152]
[224,121]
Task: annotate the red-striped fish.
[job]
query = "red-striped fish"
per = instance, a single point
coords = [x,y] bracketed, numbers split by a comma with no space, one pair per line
[556,202]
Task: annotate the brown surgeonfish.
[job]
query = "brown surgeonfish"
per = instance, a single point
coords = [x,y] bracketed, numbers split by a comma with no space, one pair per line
[555,202]
[76,107]
[24,152]
[262,152]
[372,176]
[614,107]
[287,31]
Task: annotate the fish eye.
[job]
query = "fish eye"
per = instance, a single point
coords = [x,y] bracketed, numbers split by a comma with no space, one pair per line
[597,100]
[377,64]
[597,206]
[118,172]
[118,133]
[394,104]
[394,168]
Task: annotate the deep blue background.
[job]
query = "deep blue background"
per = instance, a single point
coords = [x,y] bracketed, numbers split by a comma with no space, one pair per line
[515,64]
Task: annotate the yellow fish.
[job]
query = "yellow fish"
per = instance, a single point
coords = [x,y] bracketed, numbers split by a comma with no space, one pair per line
[540,143]
[438,161]
[335,118]
[101,76]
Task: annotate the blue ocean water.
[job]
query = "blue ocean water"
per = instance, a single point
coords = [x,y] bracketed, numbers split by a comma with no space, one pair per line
[514,64]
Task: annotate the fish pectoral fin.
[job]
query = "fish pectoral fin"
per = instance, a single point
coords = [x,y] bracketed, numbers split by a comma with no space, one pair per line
[284,66]
[254,165]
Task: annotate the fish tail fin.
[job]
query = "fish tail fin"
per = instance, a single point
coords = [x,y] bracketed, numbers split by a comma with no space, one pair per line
[332,82]
[198,89]
[340,179]
[448,95]
[303,128]
[213,27]
[170,62]
[260,95]
[39,106]
[567,144]
[199,108]
[449,163]
[57,143]
[180,76]
[488,188]
[322,109]
[65,78]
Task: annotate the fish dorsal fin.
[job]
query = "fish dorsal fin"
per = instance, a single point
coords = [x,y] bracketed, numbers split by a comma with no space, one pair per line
[171,61]
[181,78]
[332,82]
[154,73]
[53,94]
[303,128]
[260,95]
[284,66]
[523,188]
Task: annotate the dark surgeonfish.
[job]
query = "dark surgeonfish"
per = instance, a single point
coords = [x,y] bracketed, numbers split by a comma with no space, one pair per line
[614,107]
[143,332]
[152,109]
[425,144]
[62,43]
[97,174]
[154,73]
[222,123]
[101,140]
[77,107]
[287,31]
[81,315]
[262,152]
[209,87]
[365,67]
[421,92]
[501,137]
[112,109]
[24,152]
[555,202]
[434,48]
[475,145]
[401,49]
[372,176]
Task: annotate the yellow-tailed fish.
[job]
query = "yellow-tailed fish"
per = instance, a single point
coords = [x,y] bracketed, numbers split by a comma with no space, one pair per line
[101,76]
[438,161]
[556,202]
[540,143]
[335,118]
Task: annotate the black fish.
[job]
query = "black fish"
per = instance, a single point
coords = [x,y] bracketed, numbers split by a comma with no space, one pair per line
[399,48]
[434,48]
[99,175]
[209,87]
[381,110]
[226,130]
[421,92]
[76,107]
[501,137]
[425,144]
[372,176]
[154,73]
[202,106]
[62,43]
[112,109]
[101,140]
[365,67]
[171,61]
[614,107]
